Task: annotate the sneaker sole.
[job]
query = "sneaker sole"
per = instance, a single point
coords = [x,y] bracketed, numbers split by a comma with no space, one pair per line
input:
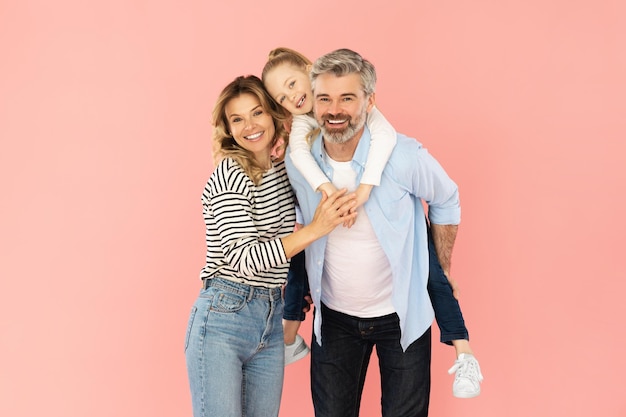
[298,356]
[466,395]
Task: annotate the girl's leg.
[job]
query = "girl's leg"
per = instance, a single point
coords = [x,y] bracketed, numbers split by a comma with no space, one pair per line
[291,327]
[462,346]
[446,306]
[452,329]
[297,287]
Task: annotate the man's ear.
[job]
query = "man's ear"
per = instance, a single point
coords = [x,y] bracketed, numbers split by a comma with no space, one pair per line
[371,101]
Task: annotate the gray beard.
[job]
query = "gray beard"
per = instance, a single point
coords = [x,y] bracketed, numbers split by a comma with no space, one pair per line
[339,137]
[342,136]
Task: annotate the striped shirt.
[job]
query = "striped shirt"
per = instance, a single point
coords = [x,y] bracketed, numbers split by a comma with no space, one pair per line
[244,224]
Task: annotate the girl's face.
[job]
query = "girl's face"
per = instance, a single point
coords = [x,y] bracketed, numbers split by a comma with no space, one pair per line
[251,126]
[291,88]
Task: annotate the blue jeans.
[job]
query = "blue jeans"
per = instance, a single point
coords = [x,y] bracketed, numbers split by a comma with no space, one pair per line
[297,287]
[234,350]
[338,367]
[447,310]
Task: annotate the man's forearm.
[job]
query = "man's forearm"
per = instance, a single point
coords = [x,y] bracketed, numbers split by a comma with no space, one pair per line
[444,237]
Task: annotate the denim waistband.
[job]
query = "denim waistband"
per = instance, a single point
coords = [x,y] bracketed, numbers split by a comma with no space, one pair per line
[247,290]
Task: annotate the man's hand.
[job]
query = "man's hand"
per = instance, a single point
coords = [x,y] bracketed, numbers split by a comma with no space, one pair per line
[309,300]
[456,291]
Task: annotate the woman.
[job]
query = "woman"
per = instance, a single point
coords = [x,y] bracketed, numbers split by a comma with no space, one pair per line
[234,344]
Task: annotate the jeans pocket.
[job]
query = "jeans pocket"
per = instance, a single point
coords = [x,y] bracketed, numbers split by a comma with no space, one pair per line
[227,302]
[192,315]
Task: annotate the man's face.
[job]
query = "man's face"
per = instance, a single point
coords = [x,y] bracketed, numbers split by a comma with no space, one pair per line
[340,106]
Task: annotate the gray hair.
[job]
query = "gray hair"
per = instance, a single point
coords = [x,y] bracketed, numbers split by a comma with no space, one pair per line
[343,62]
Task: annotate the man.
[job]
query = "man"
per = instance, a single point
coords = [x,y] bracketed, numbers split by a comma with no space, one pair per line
[369,282]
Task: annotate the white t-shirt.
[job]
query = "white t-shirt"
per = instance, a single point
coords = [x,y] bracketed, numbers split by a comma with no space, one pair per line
[356,279]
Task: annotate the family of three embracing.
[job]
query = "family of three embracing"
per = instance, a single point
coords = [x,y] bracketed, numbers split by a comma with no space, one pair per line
[316,198]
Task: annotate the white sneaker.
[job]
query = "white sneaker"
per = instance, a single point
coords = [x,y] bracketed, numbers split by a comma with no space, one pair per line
[468,377]
[296,351]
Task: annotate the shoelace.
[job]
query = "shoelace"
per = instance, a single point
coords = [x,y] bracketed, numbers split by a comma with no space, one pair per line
[467,368]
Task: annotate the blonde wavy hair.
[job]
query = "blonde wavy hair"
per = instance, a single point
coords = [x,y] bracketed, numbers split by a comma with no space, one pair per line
[224,145]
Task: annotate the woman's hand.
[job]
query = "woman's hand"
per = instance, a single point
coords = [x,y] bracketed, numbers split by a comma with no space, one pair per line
[330,212]
[333,211]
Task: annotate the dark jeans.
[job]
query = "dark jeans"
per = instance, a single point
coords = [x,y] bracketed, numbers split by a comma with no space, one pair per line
[338,367]
[297,287]
[447,310]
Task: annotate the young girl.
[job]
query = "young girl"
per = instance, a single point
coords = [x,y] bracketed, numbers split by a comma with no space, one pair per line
[286,77]
[233,347]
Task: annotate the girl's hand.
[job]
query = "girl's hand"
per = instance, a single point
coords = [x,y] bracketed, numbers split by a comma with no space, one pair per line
[362,195]
[328,188]
[278,150]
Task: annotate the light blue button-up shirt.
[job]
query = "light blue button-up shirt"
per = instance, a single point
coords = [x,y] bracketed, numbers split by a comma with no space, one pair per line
[397,215]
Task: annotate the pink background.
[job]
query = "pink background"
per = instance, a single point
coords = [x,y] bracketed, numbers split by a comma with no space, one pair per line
[105,129]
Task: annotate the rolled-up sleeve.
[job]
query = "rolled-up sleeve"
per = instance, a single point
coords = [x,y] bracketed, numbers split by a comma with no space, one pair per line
[432,184]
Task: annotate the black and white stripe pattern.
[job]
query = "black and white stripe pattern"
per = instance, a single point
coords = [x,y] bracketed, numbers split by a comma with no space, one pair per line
[244,224]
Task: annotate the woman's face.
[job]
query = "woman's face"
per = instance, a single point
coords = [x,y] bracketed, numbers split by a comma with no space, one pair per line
[251,126]
[291,88]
